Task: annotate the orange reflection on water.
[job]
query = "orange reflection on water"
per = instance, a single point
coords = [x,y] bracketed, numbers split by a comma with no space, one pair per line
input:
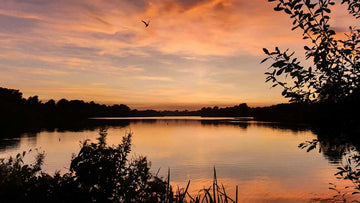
[263,159]
[261,189]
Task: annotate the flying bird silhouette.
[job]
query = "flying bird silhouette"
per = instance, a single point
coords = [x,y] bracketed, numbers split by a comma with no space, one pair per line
[146,23]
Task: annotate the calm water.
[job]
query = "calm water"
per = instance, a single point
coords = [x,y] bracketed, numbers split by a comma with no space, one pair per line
[263,159]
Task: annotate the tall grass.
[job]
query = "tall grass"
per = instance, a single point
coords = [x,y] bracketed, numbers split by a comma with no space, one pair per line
[99,173]
[215,193]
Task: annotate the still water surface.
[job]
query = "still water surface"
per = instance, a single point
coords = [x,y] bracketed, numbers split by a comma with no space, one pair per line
[263,159]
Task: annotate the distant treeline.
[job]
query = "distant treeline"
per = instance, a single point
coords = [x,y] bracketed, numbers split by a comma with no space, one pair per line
[20,113]
[344,115]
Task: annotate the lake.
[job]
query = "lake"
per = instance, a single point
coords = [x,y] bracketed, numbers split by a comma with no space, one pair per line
[262,158]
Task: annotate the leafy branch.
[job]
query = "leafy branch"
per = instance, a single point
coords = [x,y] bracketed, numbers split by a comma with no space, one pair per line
[335,73]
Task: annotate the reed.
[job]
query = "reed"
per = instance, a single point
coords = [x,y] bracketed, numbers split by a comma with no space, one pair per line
[99,173]
[213,194]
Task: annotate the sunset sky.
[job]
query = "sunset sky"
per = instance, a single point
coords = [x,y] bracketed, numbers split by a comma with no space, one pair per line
[194,53]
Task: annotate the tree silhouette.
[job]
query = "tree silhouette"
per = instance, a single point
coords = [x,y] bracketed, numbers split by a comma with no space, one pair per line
[335,72]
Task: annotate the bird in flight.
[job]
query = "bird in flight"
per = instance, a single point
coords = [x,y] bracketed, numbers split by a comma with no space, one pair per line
[146,23]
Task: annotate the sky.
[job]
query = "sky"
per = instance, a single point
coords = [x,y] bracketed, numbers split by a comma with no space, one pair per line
[194,53]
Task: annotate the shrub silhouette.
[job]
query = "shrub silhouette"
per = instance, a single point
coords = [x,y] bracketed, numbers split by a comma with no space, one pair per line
[334,75]
[107,175]
[99,173]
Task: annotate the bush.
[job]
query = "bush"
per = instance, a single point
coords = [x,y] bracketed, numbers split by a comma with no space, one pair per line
[105,174]
[99,173]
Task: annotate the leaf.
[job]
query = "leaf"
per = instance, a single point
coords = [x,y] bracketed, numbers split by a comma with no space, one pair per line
[312,5]
[311,148]
[288,11]
[297,7]
[264,60]
[266,51]
[327,10]
[332,32]
[279,64]
[277,49]
[280,71]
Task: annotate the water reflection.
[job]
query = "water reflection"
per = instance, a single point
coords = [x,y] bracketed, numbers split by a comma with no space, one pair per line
[261,157]
[245,124]
[332,144]
[341,149]
[6,144]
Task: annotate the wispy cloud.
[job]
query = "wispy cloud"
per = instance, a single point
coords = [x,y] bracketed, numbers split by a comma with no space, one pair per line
[193,47]
[98,84]
[164,79]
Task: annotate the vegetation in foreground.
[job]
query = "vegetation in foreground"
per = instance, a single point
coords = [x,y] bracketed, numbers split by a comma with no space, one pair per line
[347,157]
[334,73]
[98,173]
[332,79]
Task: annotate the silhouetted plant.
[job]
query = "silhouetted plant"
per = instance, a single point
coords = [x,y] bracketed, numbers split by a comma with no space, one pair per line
[19,181]
[309,145]
[214,193]
[99,173]
[108,175]
[353,7]
[349,169]
[335,73]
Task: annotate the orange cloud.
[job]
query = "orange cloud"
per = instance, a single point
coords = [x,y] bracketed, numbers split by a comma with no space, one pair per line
[205,51]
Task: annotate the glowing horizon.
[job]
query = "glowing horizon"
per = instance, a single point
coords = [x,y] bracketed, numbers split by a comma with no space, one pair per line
[193,53]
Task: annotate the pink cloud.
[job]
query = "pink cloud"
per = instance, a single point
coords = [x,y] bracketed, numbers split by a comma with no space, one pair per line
[104,41]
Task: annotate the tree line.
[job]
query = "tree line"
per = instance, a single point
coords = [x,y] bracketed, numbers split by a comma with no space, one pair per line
[19,112]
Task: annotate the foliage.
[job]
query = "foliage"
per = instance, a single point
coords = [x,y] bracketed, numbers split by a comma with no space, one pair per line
[213,194]
[353,7]
[106,174]
[335,74]
[347,170]
[98,173]
[17,178]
